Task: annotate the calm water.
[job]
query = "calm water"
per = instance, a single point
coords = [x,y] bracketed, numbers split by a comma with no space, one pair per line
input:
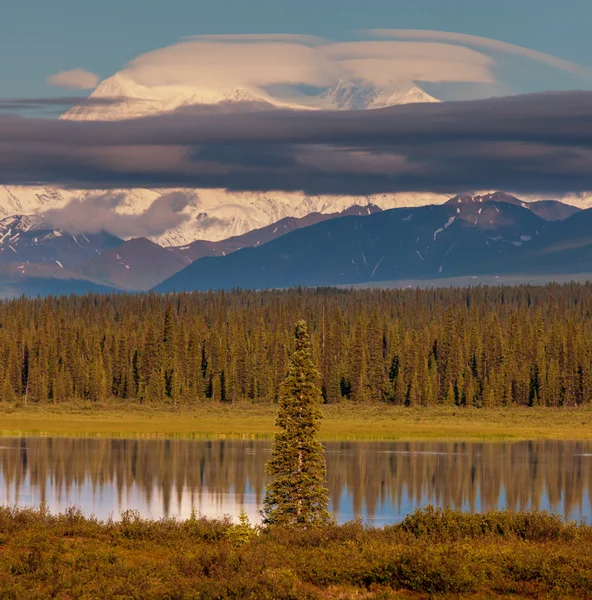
[380,482]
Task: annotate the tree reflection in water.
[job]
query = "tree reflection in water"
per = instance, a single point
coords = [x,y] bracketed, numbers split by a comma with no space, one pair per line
[380,481]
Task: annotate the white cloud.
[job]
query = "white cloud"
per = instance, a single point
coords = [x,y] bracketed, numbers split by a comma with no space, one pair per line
[74,79]
[383,61]
[100,212]
[225,63]
[260,61]
[483,42]
[273,64]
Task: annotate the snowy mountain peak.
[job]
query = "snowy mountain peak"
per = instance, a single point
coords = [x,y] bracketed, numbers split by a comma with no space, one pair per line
[127,99]
[117,86]
[362,95]
[394,95]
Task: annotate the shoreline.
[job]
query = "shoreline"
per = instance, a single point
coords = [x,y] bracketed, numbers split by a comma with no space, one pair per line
[347,421]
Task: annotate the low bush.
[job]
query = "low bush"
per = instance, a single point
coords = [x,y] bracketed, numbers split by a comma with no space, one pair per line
[450,524]
[432,553]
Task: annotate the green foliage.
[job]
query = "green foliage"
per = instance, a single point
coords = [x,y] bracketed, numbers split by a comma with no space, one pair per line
[242,532]
[483,347]
[450,524]
[297,495]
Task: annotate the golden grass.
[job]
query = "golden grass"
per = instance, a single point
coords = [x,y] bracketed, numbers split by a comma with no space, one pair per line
[344,421]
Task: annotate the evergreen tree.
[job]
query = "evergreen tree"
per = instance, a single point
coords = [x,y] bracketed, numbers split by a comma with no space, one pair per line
[482,347]
[297,495]
[360,387]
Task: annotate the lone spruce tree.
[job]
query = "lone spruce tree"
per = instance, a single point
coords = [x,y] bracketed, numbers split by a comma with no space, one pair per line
[297,496]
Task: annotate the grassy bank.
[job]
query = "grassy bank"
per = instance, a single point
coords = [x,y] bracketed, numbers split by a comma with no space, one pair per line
[431,554]
[343,421]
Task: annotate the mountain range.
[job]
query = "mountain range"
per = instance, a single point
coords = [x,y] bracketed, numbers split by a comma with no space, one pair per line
[140,264]
[468,235]
[31,259]
[22,242]
[494,233]
[276,239]
[359,95]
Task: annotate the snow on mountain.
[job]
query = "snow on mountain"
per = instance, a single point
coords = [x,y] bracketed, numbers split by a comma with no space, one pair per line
[127,99]
[360,95]
[130,100]
[213,214]
[25,240]
[12,227]
[25,200]
[218,214]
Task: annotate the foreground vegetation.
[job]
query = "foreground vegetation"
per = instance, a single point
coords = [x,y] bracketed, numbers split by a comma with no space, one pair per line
[430,554]
[472,347]
[341,421]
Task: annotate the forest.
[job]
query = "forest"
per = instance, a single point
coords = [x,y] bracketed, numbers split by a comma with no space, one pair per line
[481,346]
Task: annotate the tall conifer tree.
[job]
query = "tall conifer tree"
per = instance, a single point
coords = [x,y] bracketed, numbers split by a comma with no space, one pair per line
[297,495]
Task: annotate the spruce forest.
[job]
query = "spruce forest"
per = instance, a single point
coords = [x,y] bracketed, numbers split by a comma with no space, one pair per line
[482,346]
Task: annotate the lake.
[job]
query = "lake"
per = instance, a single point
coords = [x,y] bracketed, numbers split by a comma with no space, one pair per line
[380,482]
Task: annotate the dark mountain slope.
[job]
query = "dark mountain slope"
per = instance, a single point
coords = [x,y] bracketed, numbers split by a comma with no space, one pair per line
[565,248]
[20,243]
[552,210]
[549,210]
[401,243]
[137,264]
[100,259]
[45,261]
[140,264]
[41,280]
[258,237]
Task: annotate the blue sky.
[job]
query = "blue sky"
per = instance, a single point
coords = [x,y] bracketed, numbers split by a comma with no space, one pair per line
[39,38]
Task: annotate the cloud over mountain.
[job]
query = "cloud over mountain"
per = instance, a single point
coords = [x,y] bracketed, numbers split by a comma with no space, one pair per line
[100,213]
[262,61]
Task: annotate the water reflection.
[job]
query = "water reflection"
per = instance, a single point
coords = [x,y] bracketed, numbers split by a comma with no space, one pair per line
[380,482]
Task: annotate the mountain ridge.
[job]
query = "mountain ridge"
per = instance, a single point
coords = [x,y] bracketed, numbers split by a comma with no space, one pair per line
[140,264]
[469,233]
[360,95]
[429,241]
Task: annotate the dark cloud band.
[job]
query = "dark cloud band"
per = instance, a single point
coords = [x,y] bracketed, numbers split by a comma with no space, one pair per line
[529,143]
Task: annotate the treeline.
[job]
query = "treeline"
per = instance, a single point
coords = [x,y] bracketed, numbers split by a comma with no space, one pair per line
[485,346]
